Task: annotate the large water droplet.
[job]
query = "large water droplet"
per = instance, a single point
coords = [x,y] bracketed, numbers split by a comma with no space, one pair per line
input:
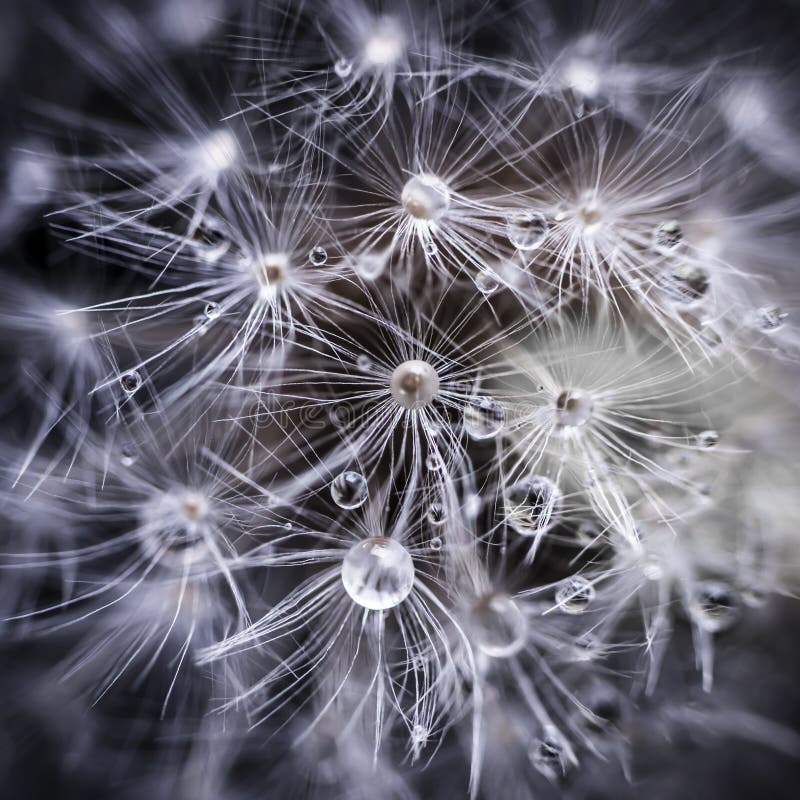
[685,284]
[526,229]
[130,381]
[349,490]
[318,256]
[378,573]
[533,505]
[487,281]
[498,626]
[484,417]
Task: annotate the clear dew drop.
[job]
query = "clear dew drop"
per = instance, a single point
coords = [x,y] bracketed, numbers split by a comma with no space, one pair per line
[414,384]
[378,573]
[436,543]
[488,282]
[574,595]
[130,381]
[370,266]
[425,197]
[349,490]
[212,310]
[715,606]
[128,454]
[771,318]
[707,439]
[533,505]
[498,626]
[318,256]
[343,67]
[573,408]
[436,516]
[548,757]
[526,230]
[430,248]
[364,363]
[433,462]
[685,284]
[667,236]
[484,418]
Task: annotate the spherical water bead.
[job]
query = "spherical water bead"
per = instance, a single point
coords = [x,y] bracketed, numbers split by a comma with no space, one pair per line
[343,67]
[437,516]
[431,248]
[378,573]
[715,606]
[771,318]
[548,757]
[686,284]
[487,282]
[414,384]
[574,595]
[349,490]
[436,543]
[498,626]
[484,418]
[128,454]
[667,236]
[433,462]
[130,381]
[533,505]
[526,230]
[707,439]
[364,363]
[370,265]
[426,197]
[212,310]
[318,256]
[573,408]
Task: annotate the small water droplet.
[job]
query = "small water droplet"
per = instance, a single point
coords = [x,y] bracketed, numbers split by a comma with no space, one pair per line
[436,543]
[487,281]
[715,606]
[212,310]
[484,418]
[707,439]
[548,757]
[667,236]
[574,595]
[130,381]
[437,516]
[364,363]
[526,230]
[533,505]
[430,248]
[771,318]
[318,256]
[343,67]
[498,626]
[685,284]
[128,454]
[433,462]
[349,490]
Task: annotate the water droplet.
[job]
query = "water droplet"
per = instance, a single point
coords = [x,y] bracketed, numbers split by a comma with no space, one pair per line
[574,595]
[573,408]
[685,284]
[433,462]
[209,240]
[378,573]
[426,197]
[343,67]
[437,516]
[533,505]
[707,439]
[472,505]
[130,381]
[715,606]
[370,265]
[498,626]
[487,281]
[128,454]
[771,318]
[526,230]
[349,490]
[430,248]
[652,568]
[212,310]
[436,543]
[364,363]
[484,418]
[318,256]
[414,384]
[548,757]
[667,236]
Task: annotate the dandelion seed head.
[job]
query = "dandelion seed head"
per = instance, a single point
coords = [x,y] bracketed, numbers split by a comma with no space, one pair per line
[271,270]
[414,384]
[426,198]
[378,573]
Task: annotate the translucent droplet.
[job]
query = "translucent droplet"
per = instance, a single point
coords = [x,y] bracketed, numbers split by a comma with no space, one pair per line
[436,543]
[437,516]
[652,568]
[212,310]
[487,282]
[533,505]
[667,236]
[715,606]
[209,240]
[526,230]
[318,256]
[426,197]
[343,67]
[472,505]
[378,573]
[771,318]
[574,595]
[484,417]
[573,408]
[349,490]
[433,462]
[370,265]
[130,381]
[364,363]
[548,757]
[686,284]
[707,439]
[498,626]
[414,384]
[128,454]
[430,248]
